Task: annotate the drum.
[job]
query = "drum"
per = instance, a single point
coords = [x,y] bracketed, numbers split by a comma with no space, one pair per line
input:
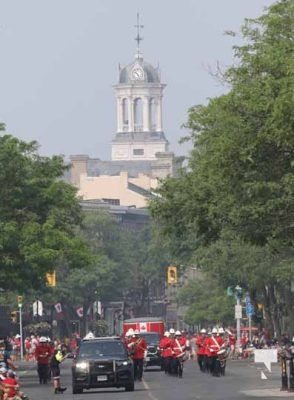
[222,354]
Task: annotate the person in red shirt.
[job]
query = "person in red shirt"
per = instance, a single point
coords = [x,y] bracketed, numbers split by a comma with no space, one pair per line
[43,354]
[178,347]
[10,385]
[200,338]
[166,352]
[137,348]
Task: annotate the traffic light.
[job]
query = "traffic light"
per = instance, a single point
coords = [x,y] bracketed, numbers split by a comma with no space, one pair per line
[172,276]
[19,300]
[51,278]
[13,316]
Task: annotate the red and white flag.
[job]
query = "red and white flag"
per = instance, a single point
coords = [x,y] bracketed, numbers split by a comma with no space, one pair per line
[58,308]
[80,311]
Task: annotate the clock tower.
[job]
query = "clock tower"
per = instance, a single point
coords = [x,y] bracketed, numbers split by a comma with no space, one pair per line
[139,91]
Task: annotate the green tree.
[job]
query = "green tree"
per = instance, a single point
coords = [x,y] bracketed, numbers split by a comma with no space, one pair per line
[240,181]
[39,216]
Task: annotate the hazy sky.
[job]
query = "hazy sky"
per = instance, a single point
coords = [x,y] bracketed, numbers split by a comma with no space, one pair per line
[59,60]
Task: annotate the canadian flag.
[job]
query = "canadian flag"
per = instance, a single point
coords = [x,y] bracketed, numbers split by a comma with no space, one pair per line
[58,308]
[80,311]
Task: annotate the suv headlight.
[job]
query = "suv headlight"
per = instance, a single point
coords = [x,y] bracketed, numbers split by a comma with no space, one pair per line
[122,363]
[82,366]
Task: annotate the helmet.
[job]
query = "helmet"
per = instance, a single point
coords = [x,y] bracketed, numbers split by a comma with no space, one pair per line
[166,334]
[136,332]
[214,330]
[171,330]
[130,332]
[90,335]
[221,330]
[42,339]
[178,333]
[203,330]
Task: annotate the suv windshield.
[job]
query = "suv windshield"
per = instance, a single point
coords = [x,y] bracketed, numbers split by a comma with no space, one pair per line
[103,348]
[151,337]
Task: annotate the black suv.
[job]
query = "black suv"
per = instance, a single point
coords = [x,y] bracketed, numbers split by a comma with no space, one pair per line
[153,357]
[100,363]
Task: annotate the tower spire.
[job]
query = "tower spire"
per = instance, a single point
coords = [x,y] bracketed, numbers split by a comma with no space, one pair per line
[138,38]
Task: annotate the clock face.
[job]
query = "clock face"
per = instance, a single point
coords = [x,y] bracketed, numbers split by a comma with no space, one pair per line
[138,74]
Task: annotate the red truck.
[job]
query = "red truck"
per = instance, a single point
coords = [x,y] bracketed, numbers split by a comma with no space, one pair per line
[152,329]
[144,325]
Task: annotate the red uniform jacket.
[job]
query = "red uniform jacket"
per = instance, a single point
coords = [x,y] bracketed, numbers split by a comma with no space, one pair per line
[200,339]
[43,353]
[178,346]
[214,344]
[138,346]
[165,347]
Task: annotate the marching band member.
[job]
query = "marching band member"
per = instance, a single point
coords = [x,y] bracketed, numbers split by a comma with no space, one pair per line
[178,347]
[137,347]
[200,339]
[214,344]
[166,351]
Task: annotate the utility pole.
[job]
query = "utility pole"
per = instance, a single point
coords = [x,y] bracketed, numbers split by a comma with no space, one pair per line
[238,314]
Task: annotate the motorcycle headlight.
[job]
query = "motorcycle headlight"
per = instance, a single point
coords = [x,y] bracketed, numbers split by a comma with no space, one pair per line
[82,366]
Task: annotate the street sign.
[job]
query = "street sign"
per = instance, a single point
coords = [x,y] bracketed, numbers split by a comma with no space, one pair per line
[238,311]
[249,309]
[247,298]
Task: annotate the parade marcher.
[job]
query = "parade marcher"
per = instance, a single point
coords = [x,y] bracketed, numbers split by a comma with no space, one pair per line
[166,351]
[137,348]
[224,350]
[58,356]
[214,344]
[43,355]
[200,339]
[178,347]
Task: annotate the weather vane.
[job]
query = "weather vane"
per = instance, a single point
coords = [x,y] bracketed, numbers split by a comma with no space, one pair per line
[138,38]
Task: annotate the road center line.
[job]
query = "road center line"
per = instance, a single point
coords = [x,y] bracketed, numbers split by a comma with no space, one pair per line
[147,387]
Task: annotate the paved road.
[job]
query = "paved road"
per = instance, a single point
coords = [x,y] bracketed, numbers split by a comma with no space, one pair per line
[242,381]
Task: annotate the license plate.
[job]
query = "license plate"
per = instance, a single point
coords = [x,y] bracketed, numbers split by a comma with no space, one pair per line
[102,378]
[147,358]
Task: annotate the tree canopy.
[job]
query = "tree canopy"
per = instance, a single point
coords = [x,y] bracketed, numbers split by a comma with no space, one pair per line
[238,189]
[39,216]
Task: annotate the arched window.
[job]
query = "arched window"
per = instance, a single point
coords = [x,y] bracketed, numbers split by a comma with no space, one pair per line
[125,114]
[138,115]
[152,114]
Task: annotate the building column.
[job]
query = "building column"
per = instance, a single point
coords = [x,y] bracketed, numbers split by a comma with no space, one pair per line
[131,114]
[146,115]
[159,114]
[119,114]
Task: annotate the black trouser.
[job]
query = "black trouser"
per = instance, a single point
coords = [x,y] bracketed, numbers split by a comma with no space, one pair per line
[200,359]
[215,366]
[43,372]
[138,368]
[177,367]
[167,364]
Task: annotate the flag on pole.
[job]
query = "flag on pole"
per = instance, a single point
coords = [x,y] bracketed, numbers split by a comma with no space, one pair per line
[80,311]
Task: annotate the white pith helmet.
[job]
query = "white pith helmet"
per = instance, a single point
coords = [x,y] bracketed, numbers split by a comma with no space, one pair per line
[178,333]
[171,330]
[203,330]
[166,334]
[214,330]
